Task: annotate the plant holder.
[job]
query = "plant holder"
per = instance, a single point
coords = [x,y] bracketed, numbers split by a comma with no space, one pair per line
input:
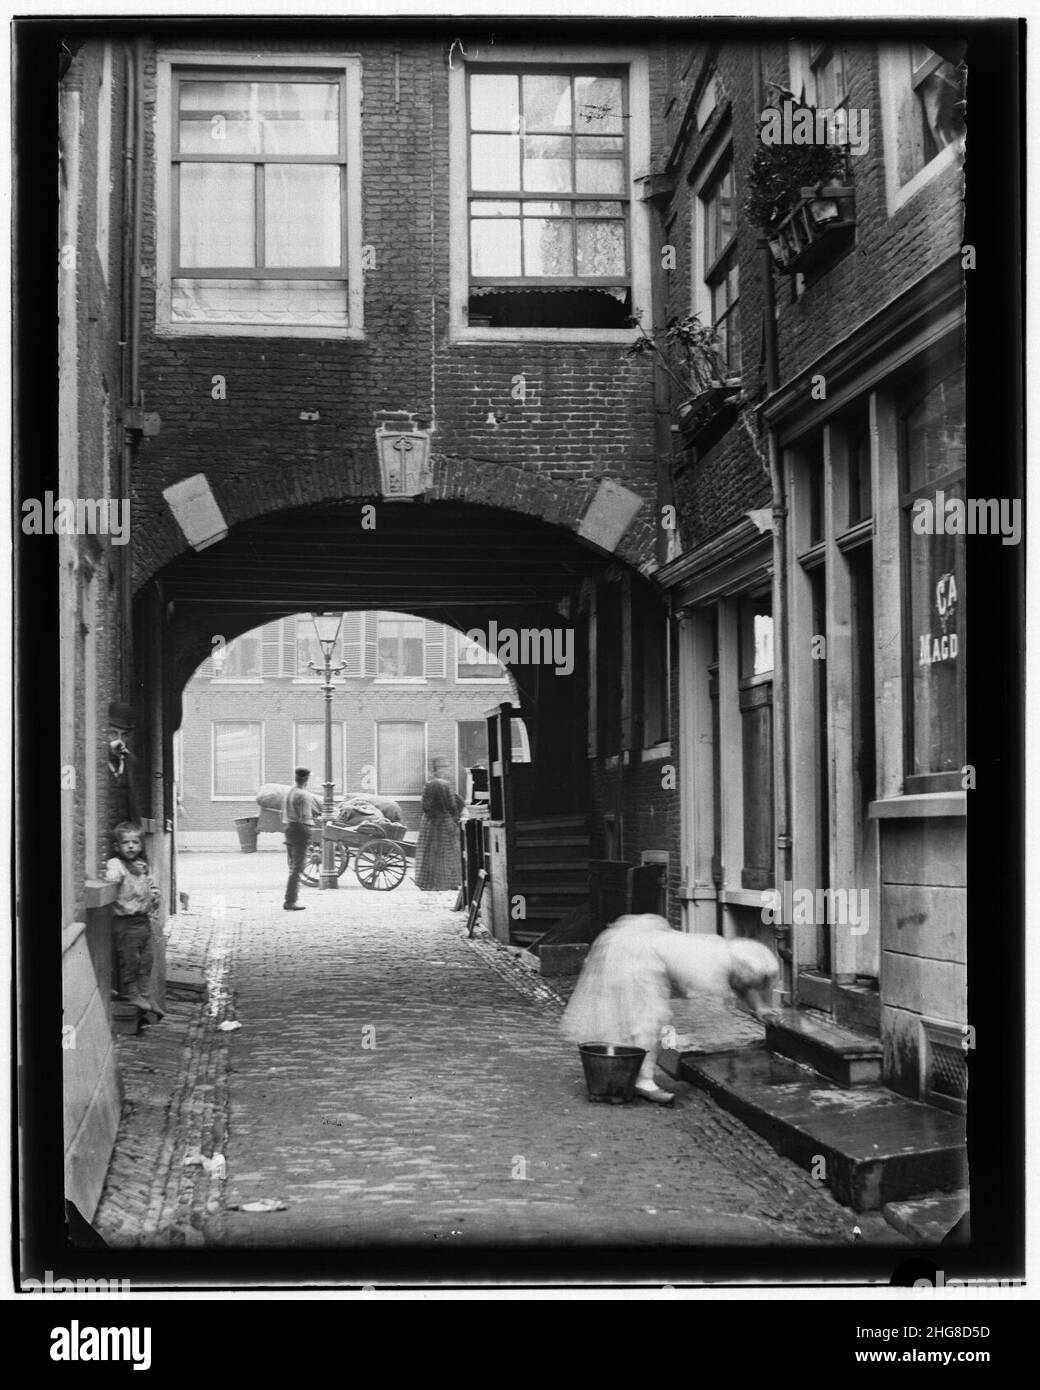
[610,1072]
[817,227]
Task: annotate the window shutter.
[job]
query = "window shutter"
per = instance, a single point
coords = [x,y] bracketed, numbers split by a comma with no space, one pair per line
[371,661]
[353,644]
[436,641]
[271,650]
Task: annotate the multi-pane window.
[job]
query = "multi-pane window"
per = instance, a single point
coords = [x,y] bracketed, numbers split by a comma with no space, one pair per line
[308,650]
[258,197]
[309,739]
[237,759]
[933,448]
[401,758]
[721,266]
[240,660]
[475,663]
[400,649]
[931,110]
[548,199]
[830,83]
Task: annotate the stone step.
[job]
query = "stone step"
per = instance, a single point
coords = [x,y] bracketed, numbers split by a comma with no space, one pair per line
[850,1059]
[877,1147]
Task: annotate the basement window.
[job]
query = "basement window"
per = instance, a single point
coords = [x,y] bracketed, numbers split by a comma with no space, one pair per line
[548,189]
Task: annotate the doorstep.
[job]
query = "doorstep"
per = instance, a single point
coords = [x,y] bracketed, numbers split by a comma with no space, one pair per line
[850,1059]
[930,1220]
[878,1147]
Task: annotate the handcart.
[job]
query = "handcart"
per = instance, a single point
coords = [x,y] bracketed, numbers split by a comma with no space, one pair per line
[379,850]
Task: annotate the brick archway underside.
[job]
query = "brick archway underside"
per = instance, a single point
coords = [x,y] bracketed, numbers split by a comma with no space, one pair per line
[457,563]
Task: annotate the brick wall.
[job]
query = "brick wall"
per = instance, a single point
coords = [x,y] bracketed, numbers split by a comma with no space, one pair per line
[587,413]
[280,704]
[889,254]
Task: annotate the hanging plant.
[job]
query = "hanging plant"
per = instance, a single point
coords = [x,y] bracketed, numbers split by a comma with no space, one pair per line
[697,348]
[777,174]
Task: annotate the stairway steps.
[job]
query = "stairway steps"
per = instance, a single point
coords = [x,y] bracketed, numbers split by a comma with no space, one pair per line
[848,1058]
[878,1146]
[551,866]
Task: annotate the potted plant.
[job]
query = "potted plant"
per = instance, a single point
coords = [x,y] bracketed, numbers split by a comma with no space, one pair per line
[701,374]
[800,198]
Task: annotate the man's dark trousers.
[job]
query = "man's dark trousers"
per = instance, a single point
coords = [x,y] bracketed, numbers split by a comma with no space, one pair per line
[297,838]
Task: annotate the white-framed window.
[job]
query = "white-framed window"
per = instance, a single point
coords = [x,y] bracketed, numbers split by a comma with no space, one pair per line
[549,238]
[237,759]
[923,117]
[258,195]
[401,758]
[475,664]
[240,660]
[309,752]
[104,159]
[400,648]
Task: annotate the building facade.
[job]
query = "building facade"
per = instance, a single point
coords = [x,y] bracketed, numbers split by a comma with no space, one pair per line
[411,692]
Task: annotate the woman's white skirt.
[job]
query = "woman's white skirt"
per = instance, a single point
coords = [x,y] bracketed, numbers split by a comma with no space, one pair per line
[622,997]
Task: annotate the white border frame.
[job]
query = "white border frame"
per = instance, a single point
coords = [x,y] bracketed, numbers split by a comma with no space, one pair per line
[511,55]
[350,66]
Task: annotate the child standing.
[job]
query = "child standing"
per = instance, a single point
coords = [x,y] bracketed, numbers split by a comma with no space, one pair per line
[136,901]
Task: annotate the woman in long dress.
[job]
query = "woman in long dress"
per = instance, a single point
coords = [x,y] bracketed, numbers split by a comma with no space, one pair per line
[623,996]
[437,855]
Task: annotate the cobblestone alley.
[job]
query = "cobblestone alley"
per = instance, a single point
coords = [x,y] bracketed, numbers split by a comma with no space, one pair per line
[392,1081]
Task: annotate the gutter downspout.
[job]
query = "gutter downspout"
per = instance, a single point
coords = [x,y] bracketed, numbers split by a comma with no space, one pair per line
[133,188]
[781,698]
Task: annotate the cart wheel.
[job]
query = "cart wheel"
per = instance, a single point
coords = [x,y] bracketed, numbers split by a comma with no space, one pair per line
[312,869]
[380,865]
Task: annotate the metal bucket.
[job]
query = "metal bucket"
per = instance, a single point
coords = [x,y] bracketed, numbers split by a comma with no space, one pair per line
[610,1072]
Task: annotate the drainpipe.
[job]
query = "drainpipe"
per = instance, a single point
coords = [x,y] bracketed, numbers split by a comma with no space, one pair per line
[781,698]
[133,186]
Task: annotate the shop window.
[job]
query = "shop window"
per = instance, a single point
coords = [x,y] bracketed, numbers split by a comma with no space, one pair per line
[309,746]
[238,760]
[861,506]
[933,449]
[548,199]
[401,758]
[260,206]
[755,630]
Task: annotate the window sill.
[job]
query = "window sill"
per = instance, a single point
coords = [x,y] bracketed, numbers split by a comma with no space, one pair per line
[253,330]
[656,751]
[744,897]
[236,680]
[400,680]
[919,805]
[506,336]
[481,680]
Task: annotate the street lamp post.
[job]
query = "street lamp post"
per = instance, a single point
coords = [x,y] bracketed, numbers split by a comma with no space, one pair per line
[326,627]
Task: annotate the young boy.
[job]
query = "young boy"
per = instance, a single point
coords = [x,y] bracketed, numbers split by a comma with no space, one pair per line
[137,899]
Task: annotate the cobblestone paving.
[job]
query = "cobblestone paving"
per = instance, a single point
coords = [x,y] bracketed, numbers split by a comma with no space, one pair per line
[392,1081]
